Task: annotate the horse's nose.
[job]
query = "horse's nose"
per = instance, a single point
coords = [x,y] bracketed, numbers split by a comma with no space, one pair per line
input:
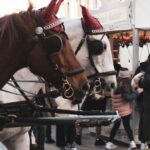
[85,87]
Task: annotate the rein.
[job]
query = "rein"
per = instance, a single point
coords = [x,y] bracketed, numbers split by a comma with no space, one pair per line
[24,92]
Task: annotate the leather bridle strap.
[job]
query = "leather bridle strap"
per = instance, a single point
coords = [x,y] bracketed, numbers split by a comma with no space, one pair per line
[74,72]
[80,44]
[93,64]
[107,73]
[91,58]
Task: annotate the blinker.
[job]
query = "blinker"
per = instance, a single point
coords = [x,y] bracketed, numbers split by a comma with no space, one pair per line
[53,44]
[95,47]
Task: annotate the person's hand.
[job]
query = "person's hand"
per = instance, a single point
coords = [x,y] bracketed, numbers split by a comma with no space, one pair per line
[139,90]
[136,79]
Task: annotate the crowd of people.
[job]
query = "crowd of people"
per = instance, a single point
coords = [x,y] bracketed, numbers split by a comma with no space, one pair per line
[129,88]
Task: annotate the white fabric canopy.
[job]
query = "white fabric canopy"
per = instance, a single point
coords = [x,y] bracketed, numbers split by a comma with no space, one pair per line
[124,14]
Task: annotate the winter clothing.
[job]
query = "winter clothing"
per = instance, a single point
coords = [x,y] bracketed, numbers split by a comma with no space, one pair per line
[145,84]
[126,124]
[121,100]
[124,74]
[122,97]
[143,67]
[139,75]
[123,107]
[48,133]
[65,134]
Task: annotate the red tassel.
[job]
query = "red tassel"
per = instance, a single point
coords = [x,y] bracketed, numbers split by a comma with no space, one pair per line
[47,13]
[57,6]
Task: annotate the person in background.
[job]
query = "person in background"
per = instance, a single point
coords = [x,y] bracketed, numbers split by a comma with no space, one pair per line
[50,102]
[142,80]
[94,102]
[65,136]
[49,139]
[143,66]
[139,74]
[91,104]
[122,97]
[38,130]
[65,132]
[102,107]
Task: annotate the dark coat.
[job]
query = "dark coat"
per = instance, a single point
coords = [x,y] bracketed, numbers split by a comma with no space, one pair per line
[91,103]
[142,68]
[145,84]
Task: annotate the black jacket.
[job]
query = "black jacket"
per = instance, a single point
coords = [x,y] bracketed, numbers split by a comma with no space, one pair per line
[143,67]
[145,84]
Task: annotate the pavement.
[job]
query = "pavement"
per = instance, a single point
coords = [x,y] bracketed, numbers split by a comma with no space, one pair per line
[88,140]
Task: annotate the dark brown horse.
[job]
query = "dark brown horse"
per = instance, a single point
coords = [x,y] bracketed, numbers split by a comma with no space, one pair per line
[36,39]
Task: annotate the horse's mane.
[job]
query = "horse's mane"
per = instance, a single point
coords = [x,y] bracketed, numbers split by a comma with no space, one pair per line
[15,26]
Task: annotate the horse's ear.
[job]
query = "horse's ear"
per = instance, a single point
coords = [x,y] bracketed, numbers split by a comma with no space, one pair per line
[89,21]
[48,12]
[57,6]
[48,15]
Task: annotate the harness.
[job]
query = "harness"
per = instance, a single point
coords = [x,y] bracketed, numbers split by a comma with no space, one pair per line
[8,120]
[55,42]
[97,81]
[67,89]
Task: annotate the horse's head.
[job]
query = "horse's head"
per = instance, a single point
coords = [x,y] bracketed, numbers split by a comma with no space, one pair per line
[52,56]
[99,52]
[92,49]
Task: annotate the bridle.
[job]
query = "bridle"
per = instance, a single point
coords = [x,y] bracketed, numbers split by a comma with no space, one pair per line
[68,91]
[97,75]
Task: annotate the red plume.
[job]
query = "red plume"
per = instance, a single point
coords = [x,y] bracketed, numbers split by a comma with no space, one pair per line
[89,21]
[47,13]
[57,6]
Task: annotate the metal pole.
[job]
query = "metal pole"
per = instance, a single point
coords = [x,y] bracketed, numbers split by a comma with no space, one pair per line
[13,121]
[135,49]
[135,54]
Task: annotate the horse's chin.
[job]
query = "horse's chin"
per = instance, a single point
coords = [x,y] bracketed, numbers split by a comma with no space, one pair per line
[78,97]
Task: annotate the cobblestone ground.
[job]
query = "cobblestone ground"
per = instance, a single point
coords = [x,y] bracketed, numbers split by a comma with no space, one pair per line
[88,140]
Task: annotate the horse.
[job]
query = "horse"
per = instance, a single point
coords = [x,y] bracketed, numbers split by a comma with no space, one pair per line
[92,48]
[37,39]
[12,137]
[103,61]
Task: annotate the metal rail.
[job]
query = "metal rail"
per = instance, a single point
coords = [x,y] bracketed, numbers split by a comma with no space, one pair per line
[13,121]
